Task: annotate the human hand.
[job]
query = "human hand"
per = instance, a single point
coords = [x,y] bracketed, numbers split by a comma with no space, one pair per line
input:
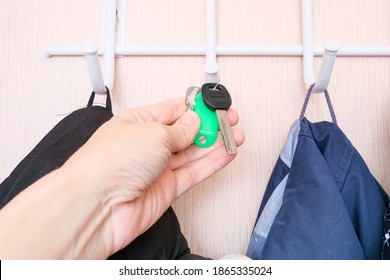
[114,187]
[138,163]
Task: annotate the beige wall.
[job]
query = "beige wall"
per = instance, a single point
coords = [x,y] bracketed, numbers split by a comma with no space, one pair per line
[217,216]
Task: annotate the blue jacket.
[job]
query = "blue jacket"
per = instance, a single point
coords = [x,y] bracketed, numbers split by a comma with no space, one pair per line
[321,201]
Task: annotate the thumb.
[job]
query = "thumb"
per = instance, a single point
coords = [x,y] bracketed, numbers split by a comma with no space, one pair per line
[183,131]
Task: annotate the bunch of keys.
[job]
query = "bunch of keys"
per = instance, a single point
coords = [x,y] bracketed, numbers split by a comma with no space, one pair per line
[210,103]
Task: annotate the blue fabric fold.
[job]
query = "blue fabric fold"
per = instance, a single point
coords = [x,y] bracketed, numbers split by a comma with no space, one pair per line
[327,205]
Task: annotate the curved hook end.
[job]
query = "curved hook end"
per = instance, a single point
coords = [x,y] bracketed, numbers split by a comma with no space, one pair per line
[328,59]
[332,46]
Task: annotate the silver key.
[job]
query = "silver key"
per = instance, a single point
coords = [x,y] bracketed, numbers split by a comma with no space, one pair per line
[216,97]
[226,131]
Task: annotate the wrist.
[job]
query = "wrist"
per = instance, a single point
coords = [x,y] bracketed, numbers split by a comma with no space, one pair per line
[55,216]
[88,208]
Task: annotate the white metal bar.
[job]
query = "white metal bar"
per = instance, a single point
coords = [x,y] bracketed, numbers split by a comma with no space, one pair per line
[110,43]
[364,51]
[62,50]
[103,23]
[162,50]
[221,50]
[259,50]
[307,33]
[95,75]
[121,24]
[211,66]
[331,48]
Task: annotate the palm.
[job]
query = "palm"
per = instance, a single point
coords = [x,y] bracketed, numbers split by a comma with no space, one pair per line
[130,219]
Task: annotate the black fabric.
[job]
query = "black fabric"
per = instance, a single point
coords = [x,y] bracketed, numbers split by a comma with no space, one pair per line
[158,243]
[54,149]
[163,240]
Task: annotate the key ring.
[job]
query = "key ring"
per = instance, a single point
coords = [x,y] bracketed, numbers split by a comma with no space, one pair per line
[216,85]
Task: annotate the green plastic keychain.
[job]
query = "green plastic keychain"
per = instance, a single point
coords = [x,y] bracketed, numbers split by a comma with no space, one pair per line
[208,131]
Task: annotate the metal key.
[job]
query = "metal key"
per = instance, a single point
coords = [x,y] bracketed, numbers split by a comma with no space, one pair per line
[217,98]
[190,97]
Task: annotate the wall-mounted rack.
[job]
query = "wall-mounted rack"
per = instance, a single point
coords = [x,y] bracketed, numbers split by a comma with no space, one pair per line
[113,45]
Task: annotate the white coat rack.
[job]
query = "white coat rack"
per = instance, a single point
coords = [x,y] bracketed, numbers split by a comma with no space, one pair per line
[113,45]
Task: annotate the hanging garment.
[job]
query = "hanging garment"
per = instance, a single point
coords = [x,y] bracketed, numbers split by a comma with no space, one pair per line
[321,201]
[163,240]
[386,235]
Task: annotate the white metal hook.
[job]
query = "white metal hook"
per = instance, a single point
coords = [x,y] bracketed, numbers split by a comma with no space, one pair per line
[328,59]
[95,75]
[211,66]
[110,42]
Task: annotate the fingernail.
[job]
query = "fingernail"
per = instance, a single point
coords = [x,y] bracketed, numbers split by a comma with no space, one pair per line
[189,118]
